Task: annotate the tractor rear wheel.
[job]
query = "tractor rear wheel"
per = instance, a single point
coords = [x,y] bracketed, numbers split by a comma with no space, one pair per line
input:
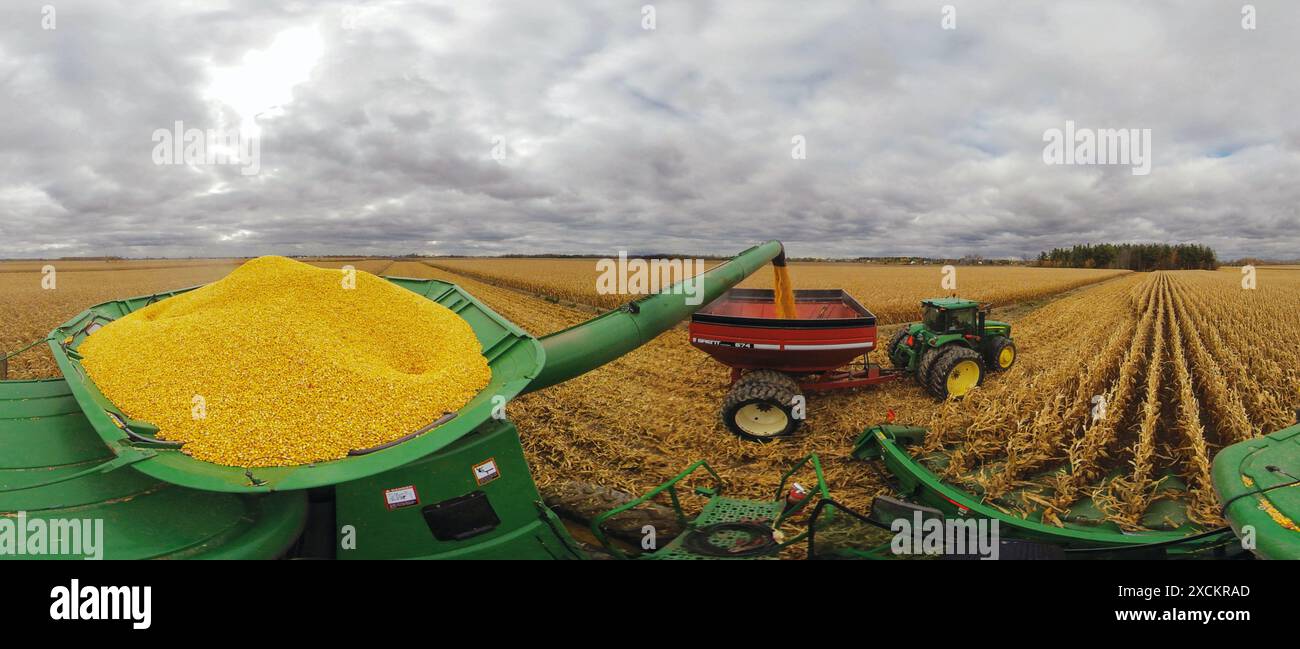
[955,372]
[760,406]
[927,356]
[1001,354]
[892,353]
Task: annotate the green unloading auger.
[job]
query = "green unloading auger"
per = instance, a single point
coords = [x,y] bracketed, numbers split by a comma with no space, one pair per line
[584,347]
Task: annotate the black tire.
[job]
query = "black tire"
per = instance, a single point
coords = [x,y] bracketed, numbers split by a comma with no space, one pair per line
[994,352]
[754,406]
[928,356]
[945,362]
[891,352]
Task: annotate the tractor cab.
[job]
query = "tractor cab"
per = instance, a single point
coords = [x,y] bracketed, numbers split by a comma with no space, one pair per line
[952,315]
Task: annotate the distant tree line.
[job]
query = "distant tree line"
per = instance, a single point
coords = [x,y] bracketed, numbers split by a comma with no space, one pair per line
[1132,256]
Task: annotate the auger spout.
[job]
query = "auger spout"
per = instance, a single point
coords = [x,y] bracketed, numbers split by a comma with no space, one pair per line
[584,347]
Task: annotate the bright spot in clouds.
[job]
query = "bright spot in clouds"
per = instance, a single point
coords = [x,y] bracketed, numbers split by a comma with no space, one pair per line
[236,235]
[263,82]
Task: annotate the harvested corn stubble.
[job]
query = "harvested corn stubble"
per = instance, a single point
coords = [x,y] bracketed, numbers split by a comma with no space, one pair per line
[280,364]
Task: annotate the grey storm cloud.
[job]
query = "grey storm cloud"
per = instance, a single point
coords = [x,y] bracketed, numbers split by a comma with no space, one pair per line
[377,124]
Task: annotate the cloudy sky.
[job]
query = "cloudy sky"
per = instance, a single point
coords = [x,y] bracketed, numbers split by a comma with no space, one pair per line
[842,128]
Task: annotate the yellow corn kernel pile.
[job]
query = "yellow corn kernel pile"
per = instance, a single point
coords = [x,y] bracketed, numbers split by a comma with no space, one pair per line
[280,364]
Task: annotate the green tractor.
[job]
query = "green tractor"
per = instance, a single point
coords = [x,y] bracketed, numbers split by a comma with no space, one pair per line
[951,348]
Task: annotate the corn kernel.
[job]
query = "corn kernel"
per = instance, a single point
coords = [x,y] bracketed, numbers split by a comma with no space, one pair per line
[289,365]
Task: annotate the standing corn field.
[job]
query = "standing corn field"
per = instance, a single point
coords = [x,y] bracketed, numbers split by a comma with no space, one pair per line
[1129,391]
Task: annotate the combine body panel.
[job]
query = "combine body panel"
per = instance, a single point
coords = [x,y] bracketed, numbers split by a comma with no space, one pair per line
[472,500]
[55,469]
[1258,484]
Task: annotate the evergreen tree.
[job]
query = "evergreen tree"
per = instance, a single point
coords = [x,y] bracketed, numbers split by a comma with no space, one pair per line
[1132,256]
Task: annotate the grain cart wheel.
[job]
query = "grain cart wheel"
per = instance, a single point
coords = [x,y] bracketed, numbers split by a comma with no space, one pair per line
[1001,354]
[955,371]
[760,406]
[895,360]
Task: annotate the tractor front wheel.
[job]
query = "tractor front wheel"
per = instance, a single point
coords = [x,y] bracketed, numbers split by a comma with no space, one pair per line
[955,372]
[761,406]
[1001,354]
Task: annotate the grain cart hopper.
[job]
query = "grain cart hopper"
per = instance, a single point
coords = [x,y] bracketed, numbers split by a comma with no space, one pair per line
[775,360]
[458,488]
[950,349]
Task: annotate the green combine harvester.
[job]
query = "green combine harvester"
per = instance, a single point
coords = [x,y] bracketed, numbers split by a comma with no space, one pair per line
[950,350]
[458,489]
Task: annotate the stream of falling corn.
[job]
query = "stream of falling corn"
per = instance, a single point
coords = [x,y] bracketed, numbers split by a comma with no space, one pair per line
[784,291]
[281,363]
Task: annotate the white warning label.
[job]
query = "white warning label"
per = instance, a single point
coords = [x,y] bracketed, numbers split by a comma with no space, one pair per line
[401,497]
[486,472]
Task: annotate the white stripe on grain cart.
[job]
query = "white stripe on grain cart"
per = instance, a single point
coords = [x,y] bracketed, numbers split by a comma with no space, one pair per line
[839,346]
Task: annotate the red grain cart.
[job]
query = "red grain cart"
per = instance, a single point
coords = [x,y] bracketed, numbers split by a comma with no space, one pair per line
[773,360]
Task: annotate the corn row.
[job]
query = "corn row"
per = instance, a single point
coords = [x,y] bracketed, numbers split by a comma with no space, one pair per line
[1088,452]
[1132,491]
[1226,410]
[1047,443]
[1204,507]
